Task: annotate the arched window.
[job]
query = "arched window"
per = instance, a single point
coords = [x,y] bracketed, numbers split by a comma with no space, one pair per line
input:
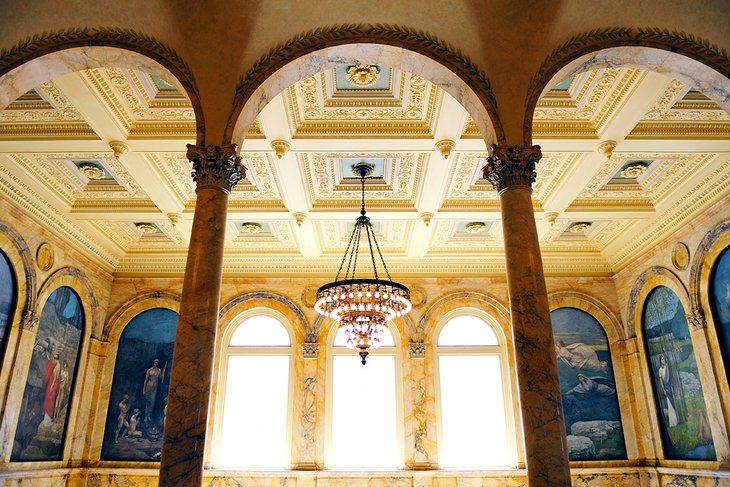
[255,401]
[49,387]
[680,403]
[720,303]
[138,400]
[587,386]
[365,426]
[475,428]
[8,298]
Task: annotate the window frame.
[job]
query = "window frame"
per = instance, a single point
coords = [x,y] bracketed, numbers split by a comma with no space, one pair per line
[500,351]
[228,350]
[396,351]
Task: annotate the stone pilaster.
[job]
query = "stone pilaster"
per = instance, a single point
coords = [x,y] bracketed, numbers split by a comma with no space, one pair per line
[216,170]
[511,170]
[306,428]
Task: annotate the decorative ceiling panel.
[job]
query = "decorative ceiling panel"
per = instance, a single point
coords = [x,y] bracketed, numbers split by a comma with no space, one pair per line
[316,108]
[139,237]
[272,236]
[453,236]
[392,236]
[329,188]
[43,113]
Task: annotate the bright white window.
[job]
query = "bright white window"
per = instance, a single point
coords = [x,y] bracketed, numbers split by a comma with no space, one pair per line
[364,430]
[475,427]
[256,370]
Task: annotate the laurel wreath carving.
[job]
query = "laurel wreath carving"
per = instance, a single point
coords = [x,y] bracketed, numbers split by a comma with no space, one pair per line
[669,40]
[394,35]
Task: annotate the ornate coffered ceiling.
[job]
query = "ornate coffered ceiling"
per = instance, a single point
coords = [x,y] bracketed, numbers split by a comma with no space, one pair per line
[629,157]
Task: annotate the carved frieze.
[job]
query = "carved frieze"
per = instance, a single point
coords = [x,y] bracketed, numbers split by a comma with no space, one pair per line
[310,349]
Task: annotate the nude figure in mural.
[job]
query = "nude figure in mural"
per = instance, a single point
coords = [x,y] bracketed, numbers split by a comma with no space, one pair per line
[149,389]
[52,381]
[580,356]
[665,382]
[122,424]
[63,390]
[589,387]
[133,424]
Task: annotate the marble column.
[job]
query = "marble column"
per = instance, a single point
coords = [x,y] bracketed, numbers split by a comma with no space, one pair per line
[511,170]
[216,170]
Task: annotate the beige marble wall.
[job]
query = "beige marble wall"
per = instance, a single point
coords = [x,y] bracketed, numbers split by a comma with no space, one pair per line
[613,301]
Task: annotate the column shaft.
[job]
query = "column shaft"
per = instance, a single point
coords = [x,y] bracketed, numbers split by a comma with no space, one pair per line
[216,171]
[511,171]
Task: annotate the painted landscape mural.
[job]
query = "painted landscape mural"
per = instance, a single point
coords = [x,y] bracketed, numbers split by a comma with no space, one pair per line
[588,387]
[685,431]
[49,386]
[720,302]
[7,298]
[137,404]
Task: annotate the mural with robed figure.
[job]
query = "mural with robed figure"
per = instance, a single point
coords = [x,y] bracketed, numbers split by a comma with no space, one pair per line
[49,385]
[138,399]
[588,387]
[683,423]
[720,303]
[7,298]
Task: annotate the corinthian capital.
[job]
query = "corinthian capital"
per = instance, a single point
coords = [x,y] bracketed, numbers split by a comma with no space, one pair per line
[216,166]
[511,166]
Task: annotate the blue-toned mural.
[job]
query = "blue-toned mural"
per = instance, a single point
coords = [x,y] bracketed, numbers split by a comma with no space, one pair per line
[138,400]
[685,431]
[590,403]
[7,298]
[49,386]
[720,302]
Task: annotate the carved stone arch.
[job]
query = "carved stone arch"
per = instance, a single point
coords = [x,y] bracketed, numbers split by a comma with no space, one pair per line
[414,50]
[464,299]
[117,322]
[702,265]
[80,283]
[594,307]
[647,281]
[73,49]
[21,257]
[265,299]
[690,59]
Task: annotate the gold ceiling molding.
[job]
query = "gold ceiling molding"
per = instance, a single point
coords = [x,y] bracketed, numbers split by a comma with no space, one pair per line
[109,206]
[681,130]
[55,41]
[610,204]
[551,169]
[399,36]
[592,41]
[59,109]
[544,129]
[47,131]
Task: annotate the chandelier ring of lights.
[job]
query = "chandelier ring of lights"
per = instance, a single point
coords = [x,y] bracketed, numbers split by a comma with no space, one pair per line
[363,305]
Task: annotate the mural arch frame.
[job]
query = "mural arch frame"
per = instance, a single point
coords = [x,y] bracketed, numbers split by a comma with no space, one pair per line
[615,334]
[647,282]
[415,51]
[73,437]
[109,344]
[77,48]
[714,245]
[689,59]
[15,248]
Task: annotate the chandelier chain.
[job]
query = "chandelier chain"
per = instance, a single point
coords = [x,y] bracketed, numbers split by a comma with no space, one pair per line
[344,258]
[368,230]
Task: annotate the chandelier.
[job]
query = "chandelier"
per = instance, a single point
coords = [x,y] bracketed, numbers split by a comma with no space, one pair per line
[362,305]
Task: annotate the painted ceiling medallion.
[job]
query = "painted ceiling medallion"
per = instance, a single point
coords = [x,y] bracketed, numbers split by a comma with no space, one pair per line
[92,172]
[633,171]
[579,227]
[251,228]
[476,227]
[363,75]
[146,228]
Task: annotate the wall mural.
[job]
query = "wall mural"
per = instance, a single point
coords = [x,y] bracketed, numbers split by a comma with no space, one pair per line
[7,298]
[685,431]
[590,403]
[720,303]
[49,385]
[138,399]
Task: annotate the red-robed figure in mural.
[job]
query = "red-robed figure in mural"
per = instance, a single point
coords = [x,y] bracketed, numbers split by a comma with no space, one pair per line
[52,380]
